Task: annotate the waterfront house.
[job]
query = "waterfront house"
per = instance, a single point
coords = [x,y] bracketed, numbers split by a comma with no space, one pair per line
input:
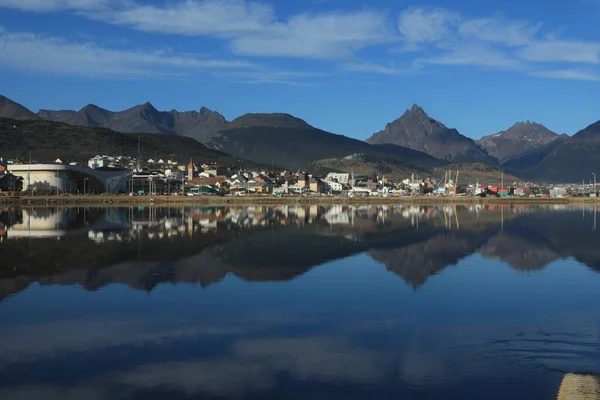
[10,182]
[213,181]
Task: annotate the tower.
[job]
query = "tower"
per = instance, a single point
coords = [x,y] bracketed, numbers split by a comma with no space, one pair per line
[191,170]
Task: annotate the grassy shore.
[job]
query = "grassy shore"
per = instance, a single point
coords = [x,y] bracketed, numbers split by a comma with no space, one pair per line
[107,200]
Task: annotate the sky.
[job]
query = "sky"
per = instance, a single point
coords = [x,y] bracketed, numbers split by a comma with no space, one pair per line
[345,66]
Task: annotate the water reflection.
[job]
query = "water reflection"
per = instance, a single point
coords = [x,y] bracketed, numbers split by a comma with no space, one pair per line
[145,246]
[297,302]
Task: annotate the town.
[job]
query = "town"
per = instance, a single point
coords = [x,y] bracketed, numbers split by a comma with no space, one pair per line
[105,174]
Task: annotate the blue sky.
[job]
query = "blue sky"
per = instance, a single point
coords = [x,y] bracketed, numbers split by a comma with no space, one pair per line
[346,66]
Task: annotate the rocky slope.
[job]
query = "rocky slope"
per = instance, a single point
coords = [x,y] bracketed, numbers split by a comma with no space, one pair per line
[48,140]
[518,139]
[416,130]
[282,139]
[11,109]
[562,160]
[200,125]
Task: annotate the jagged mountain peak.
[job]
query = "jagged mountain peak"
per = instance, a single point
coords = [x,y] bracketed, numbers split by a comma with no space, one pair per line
[206,111]
[521,137]
[416,130]
[146,107]
[417,109]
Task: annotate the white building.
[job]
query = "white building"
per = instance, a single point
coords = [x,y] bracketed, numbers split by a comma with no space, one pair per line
[335,187]
[98,162]
[342,178]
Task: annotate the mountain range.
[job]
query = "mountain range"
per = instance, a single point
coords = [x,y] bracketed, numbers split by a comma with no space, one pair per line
[415,142]
[199,125]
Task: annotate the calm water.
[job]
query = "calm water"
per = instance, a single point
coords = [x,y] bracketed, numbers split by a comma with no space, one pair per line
[297,302]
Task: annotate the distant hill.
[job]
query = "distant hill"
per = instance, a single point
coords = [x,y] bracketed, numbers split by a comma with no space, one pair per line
[564,160]
[11,109]
[532,157]
[48,140]
[289,141]
[143,118]
[518,139]
[417,131]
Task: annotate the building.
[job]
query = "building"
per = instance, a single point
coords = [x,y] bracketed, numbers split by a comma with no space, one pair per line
[10,182]
[335,187]
[558,191]
[98,162]
[342,178]
[64,178]
[190,170]
[523,191]
[215,181]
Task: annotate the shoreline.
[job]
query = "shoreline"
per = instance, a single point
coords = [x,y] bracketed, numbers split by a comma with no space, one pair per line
[118,200]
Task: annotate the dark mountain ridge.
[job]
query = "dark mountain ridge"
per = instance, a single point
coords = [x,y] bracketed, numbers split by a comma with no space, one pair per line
[11,109]
[518,139]
[269,139]
[48,140]
[199,125]
[417,131]
[286,140]
[565,159]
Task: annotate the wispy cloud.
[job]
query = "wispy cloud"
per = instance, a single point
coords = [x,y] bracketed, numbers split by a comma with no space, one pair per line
[426,25]
[499,30]
[562,51]
[227,18]
[475,56]
[427,37]
[572,74]
[374,68]
[292,78]
[443,37]
[54,5]
[334,35]
[28,51]
[251,27]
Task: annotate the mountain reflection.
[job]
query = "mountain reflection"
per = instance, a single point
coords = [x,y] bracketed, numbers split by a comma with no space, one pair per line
[145,246]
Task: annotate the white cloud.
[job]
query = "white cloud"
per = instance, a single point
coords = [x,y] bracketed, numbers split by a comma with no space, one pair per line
[375,68]
[252,27]
[27,51]
[254,30]
[294,78]
[332,35]
[563,51]
[491,42]
[54,5]
[209,17]
[432,36]
[571,74]
[426,25]
[498,30]
[476,56]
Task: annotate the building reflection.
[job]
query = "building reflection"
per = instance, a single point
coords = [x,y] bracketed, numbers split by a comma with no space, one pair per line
[144,246]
